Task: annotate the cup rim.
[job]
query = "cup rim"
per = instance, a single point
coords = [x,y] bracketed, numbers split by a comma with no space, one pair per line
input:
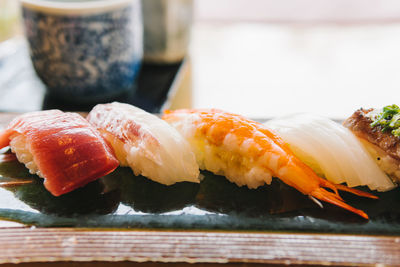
[74,8]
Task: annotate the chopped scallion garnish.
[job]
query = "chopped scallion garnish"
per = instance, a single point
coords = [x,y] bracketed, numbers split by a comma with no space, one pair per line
[388,119]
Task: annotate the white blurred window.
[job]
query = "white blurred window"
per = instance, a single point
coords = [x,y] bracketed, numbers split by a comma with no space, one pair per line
[297,10]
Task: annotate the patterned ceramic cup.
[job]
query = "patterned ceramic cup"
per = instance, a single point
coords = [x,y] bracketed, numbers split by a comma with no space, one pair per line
[85,51]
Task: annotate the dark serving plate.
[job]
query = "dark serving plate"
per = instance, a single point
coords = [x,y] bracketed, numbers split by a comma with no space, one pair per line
[123,200]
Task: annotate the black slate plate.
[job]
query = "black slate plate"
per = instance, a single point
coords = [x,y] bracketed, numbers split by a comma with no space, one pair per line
[123,200]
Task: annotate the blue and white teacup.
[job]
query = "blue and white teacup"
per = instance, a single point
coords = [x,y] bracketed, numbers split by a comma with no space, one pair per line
[85,51]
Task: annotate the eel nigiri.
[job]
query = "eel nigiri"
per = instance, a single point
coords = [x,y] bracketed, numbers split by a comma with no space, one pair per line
[379,131]
[63,148]
[144,142]
[248,153]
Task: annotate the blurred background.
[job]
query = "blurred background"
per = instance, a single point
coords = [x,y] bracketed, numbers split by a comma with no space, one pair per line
[8,19]
[265,58]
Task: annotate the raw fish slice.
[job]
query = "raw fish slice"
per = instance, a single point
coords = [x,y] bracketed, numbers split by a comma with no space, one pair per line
[330,149]
[63,148]
[144,142]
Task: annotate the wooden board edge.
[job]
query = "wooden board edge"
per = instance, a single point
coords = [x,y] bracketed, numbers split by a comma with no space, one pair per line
[24,245]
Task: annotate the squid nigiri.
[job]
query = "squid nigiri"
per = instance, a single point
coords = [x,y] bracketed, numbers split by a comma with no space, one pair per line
[248,153]
[331,150]
[144,142]
[63,148]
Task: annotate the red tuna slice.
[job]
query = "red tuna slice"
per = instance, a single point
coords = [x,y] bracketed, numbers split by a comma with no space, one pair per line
[68,151]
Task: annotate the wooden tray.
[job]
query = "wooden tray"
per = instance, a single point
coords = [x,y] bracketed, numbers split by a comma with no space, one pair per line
[26,245]
[59,246]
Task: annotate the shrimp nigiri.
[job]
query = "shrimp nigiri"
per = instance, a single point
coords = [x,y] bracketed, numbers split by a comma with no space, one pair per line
[63,148]
[144,142]
[248,153]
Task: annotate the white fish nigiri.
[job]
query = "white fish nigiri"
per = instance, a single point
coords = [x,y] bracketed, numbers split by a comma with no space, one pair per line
[331,150]
[144,142]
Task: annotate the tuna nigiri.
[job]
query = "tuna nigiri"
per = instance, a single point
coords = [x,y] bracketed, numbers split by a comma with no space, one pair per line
[63,148]
[144,142]
[248,153]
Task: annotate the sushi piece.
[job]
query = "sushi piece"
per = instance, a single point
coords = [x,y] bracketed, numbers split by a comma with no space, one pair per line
[144,142]
[379,132]
[331,150]
[247,153]
[63,148]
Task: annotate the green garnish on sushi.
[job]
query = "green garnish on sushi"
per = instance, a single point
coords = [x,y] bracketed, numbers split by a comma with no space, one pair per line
[388,119]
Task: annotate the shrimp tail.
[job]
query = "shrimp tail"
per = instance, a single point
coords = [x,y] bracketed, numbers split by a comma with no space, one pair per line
[355,191]
[324,195]
[334,198]
[336,187]
[318,188]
